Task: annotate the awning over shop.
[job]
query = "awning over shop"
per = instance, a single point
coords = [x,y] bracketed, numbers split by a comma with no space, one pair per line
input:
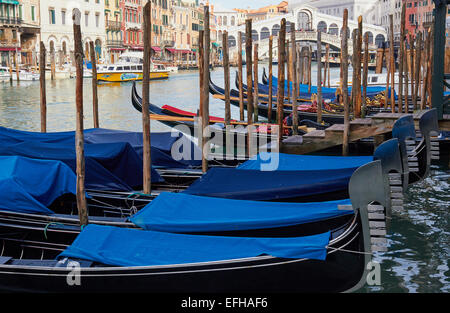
[9,48]
[9,1]
[156,49]
[182,51]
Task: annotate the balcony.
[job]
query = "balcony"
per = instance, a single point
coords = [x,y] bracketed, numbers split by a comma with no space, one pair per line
[10,20]
[113,25]
[114,43]
[168,43]
[131,25]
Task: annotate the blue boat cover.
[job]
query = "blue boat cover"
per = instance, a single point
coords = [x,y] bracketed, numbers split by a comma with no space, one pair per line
[234,183]
[112,166]
[133,247]
[30,186]
[161,142]
[181,213]
[267,161]
[329,93]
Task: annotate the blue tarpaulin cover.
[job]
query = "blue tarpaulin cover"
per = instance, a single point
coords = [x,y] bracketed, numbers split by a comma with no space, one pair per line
[30,185]
[291,162]
[161,142]
[112,166]
[240,184]
[177,212]
[133,247]
[329,93]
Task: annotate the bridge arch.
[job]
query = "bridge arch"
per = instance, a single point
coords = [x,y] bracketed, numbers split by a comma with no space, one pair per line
[322,27]
[265,33]
[333,29]
[275,29]
[370,37]
[231,41]
[304,19]
[255,35]
[379,39]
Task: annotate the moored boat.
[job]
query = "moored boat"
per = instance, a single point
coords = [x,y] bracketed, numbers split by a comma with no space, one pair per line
[130,68]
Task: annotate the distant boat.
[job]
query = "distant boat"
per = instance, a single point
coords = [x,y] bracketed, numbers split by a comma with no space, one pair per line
[130,68]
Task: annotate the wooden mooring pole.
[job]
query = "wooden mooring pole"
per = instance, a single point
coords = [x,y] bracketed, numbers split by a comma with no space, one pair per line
[205,89]
[344,67]
[365,74]
[255,82]
[94,85]
[392,61]
[43,91]
[147,161]
[249,66]
[319,77]
[281,77]
[79,134]
[294,76]
[241,82]
[269,112]
[226,70]
[401,60]
[417,67]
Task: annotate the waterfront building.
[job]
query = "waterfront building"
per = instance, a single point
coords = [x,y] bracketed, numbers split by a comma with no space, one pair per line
[30,29]
[180,22]
[131,26]
[114,35]
[57,26]
[161,33]
[10,31]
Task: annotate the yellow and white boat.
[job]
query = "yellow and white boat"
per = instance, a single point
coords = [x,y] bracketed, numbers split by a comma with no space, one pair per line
[130,68]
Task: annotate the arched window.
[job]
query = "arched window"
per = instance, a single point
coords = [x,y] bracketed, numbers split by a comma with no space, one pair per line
[322,27]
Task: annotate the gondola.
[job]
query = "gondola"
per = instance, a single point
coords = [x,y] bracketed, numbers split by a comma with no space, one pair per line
[118,208]
[263,108]
[189,127]
[114,208]
[101,259]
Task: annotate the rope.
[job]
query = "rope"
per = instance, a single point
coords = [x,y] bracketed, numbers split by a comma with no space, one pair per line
[46,227]
[349,251]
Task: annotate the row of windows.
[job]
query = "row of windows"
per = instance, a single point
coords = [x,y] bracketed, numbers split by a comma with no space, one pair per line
[52,17]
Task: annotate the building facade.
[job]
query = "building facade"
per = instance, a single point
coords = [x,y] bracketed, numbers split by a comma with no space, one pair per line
[131,26]
[10,31]
[57,26]
[114,35]
[30,29]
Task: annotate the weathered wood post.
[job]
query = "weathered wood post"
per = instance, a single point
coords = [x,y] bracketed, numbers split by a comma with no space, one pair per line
[405,76]
[411,67]
[43,91]
[365,74]
[16,63]
[358,69]
[288,72]
[391,60]
[269,112]
[255,82]
[281,77]
[248,55]
[79,135]
[147,161]
[355,67]
[319,77]
[401,58]
[226,69]
[427,69]
[309,68]
[94,85]
[240,76]
[205,89]
[430,68]
[52,63]
[388,76]
[344,66]
[417,62]
[295,85]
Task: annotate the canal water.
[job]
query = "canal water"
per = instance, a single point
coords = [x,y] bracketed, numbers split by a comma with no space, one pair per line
[418,254]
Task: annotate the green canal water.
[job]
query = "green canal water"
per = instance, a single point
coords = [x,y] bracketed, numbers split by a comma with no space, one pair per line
[417,259]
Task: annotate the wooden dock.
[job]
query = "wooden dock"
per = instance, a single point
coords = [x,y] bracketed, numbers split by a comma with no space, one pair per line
[360,128]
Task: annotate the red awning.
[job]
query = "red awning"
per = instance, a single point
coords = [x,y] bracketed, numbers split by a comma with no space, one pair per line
[9,49]
[183,51]
[156,49]
[118,49]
